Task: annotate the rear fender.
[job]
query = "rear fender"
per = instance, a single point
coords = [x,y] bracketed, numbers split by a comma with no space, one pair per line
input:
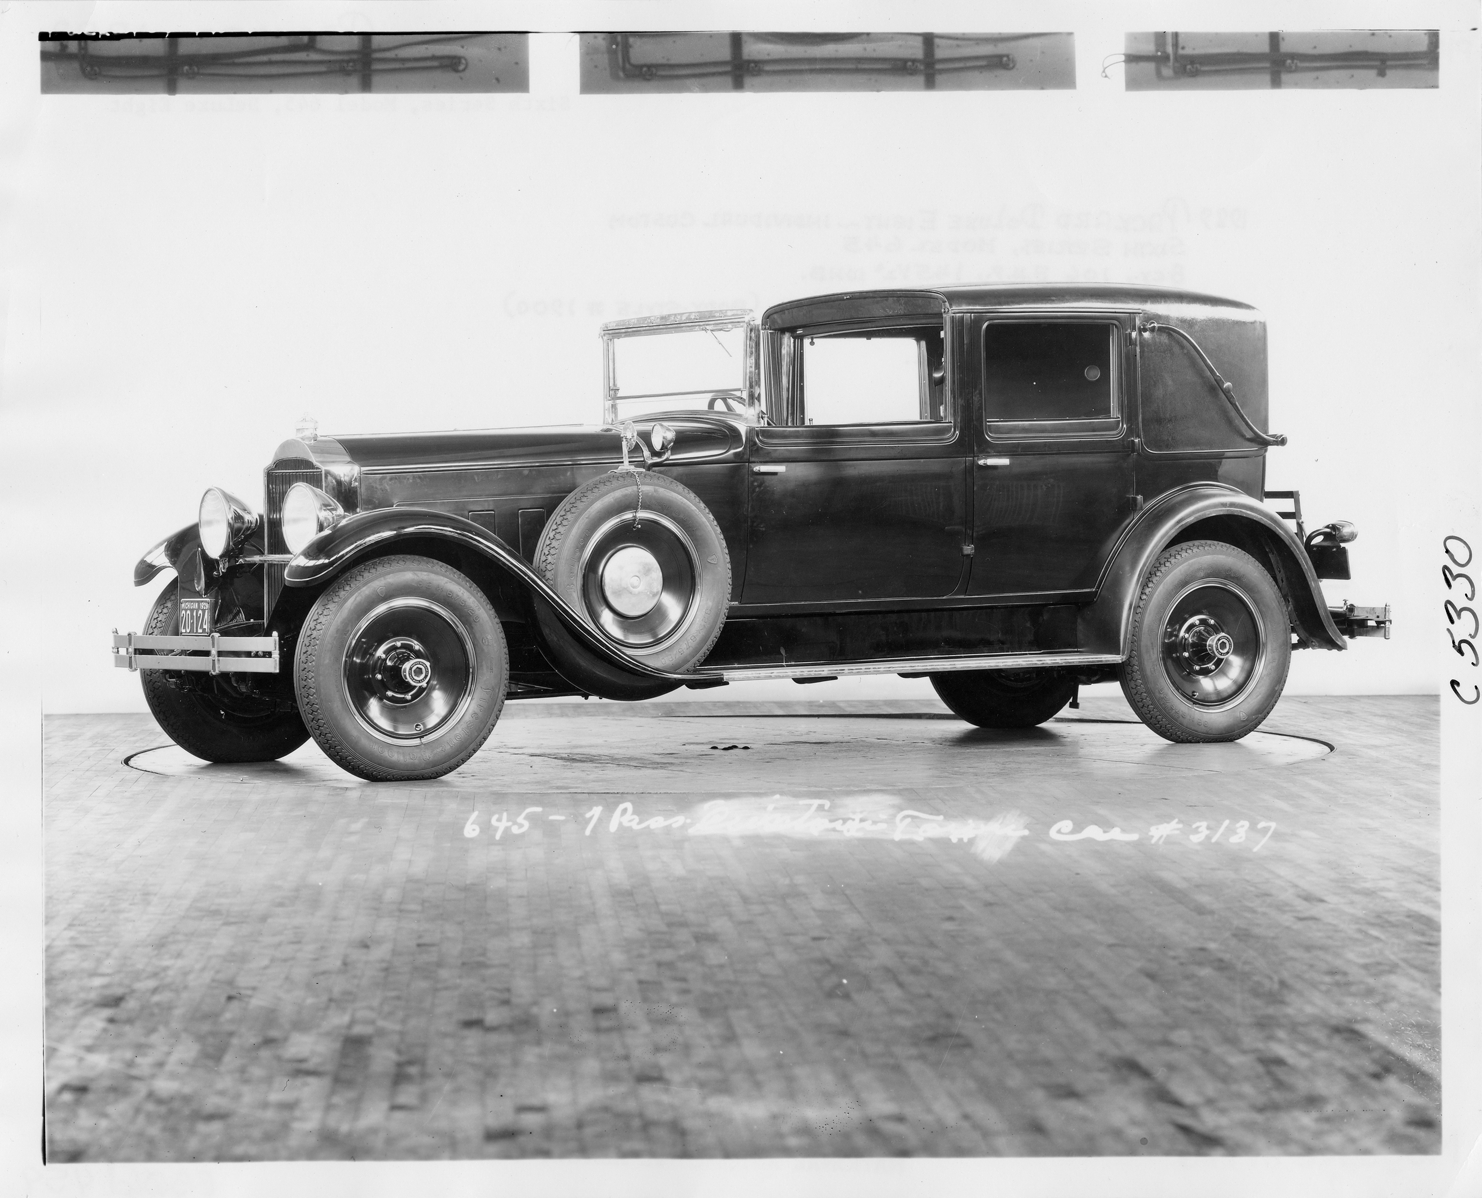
[577,651]
[1218,513]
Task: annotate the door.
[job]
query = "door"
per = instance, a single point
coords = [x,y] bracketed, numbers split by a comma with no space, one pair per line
[864,495]
[1054,463]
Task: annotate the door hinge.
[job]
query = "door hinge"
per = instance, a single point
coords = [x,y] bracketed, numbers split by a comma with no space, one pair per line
[967,550]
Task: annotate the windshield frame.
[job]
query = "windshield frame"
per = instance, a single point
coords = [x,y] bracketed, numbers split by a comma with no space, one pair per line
[748,390]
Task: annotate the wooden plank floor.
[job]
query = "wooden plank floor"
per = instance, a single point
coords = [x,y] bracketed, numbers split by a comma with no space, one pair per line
[289,964]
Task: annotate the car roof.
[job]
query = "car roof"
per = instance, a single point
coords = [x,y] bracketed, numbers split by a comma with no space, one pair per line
[927,301]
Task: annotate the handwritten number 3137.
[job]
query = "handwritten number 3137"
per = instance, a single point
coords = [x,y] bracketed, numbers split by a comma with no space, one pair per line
[1454,614]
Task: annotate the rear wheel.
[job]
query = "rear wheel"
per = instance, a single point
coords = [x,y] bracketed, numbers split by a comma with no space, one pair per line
[401,669]
[222,717]
[1211,644]
[1004,698]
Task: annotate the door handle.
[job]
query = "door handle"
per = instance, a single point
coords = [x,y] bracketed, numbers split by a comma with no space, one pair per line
[769,469]
[994,461]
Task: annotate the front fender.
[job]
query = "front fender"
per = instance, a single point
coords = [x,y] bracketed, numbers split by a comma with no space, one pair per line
[1105,624]
[166,554]
[380,531]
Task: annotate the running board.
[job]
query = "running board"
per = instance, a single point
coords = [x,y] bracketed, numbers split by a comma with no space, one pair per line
[919,666]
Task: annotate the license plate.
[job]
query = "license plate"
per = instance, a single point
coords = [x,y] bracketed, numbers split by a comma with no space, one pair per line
[195,617]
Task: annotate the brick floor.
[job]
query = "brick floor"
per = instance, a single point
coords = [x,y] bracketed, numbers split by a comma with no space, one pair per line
[282,963]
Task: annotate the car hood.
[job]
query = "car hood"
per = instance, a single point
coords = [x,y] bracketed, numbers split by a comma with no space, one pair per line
[697,436]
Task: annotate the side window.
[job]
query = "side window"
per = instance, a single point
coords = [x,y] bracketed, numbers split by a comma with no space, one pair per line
[1049,371]
[883,376]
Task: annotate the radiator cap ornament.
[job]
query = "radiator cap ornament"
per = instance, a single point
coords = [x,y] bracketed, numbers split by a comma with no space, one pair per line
[307,429]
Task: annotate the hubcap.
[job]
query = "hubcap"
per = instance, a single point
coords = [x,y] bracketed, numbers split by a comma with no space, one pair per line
[638,584]
[409,670]
[632,581]
[1213,644]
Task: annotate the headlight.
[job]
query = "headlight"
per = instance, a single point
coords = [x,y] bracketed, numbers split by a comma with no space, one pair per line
[223,522]
[307,511]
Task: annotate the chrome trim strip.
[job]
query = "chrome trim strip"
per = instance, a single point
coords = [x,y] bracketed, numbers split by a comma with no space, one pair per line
[203,644]
[755,611]
[921,665]
[716,317]
[607,458]
[261,559]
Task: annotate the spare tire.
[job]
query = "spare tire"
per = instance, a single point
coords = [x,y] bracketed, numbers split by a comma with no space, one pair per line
[644,562]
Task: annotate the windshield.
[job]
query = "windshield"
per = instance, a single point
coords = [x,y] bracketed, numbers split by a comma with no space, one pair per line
[665,369]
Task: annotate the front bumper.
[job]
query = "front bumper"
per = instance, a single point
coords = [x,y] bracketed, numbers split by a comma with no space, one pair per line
[211,654]
[1353,620]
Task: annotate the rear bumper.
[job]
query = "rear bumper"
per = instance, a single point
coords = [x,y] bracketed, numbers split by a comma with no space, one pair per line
[211,654]
[1353,620]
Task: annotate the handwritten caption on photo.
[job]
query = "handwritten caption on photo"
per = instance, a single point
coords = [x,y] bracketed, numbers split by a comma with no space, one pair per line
[1454,613]
[991,838]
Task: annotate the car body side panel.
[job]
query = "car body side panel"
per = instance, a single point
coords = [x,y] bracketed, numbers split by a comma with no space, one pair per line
[839,638]
[1182,408]
[831,530]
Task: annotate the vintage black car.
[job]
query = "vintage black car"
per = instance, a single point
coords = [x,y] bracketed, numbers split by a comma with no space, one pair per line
[1009,490]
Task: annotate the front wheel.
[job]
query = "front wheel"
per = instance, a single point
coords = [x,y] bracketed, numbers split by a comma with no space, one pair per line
[1211,644]
[401,669]
[221,717]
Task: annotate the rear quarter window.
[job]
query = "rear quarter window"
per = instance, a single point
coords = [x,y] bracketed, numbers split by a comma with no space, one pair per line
[1052,377]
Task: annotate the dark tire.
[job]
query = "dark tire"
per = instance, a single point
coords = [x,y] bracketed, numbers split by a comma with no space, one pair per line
[658,590]
[401,669]
[1210,644]
[1004,698]
[218,718]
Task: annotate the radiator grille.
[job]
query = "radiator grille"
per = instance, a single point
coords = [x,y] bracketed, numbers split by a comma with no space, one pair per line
[276,484]
[272,586]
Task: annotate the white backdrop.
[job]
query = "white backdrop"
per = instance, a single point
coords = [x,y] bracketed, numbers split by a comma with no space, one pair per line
[184,277]
[195,273]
